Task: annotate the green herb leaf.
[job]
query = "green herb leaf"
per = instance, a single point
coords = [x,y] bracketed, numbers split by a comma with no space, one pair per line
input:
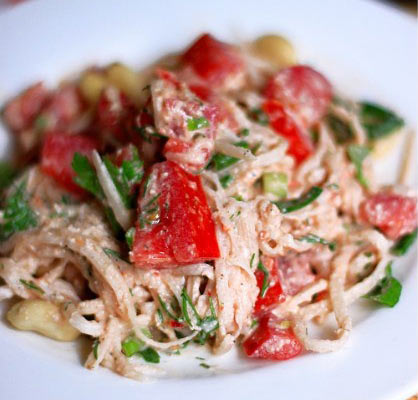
[197,123]
[7,173]
[204,365]
[244,132]
[31,285]
[167,311]
[222,161]
[378,121]
[187,302]
[86,176]
[112,253]
[114,225]
[275,183]
[259,116]
[287,206]
[17,215]
[266,282]
[96,348]
[341,130]
[126,176]
[357,154]
[150,355]
[132,345]
[311,238]
[402,246]
[226,180]
[388,290]
[129,237]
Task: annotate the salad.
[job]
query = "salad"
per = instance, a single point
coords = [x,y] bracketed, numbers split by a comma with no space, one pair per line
[222,197]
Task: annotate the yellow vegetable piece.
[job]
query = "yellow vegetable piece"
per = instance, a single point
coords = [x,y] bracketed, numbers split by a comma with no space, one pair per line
[125,79]
[43,317]
[383,147]
[91,85]
[275,49]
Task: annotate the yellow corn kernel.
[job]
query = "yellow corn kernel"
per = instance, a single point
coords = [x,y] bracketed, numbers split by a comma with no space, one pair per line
[275,49]
[91,85]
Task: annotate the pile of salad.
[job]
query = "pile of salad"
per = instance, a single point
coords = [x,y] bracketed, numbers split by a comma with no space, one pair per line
[223,197]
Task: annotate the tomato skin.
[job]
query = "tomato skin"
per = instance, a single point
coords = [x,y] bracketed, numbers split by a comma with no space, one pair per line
[21,111]
[270,342]
[213,61]
[303,90]
[300,144]
[57,155]
[393,214]
[184,231]
[274,294]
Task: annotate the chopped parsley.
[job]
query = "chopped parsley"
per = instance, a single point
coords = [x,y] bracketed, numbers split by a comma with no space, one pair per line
[7,173]
[266,282]
[204,365]
[134,346]
[112,253]
[31,285]
[357,154]
[402,246]
[311,238]
[86,176]
[259,116]
[129,237]
[17,214]
[226,180]
[194,124]
[388,291]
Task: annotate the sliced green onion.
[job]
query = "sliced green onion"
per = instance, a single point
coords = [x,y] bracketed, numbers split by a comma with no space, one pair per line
[132,345]
[378,121]
[357,154]
[150,355]
[244,132]
[287,206]
[402,246]
[196,123]
[387,291]
[275,183]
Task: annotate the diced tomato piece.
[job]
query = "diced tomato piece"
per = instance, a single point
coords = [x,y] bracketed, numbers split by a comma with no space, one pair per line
[58,153]
[303,90]
[300,144]
[322,295]
[175,224]
[63,107]
[274,294]
[20,112]
[191,123]
[272,342]
[115,114]
[393,214]
[295,272]
[215,62]
[202,91]
[175,324]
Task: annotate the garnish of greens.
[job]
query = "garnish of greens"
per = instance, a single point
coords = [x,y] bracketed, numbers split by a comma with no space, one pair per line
[226,180]
[126,177]
[287,206]
[31,285]
[188,314]
[311,238]
[194,124]
[357,154]
[388,291]
[378,121]
[275,183]
[259,116]
[150,212]
[17,214]
[341,130]
[266,282]
[129,237]
[112,253]
[7,173]
[222,161]
[86,176]
[402,246]
[134,346]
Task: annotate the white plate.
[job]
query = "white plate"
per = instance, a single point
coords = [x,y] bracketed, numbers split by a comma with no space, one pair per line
[366,49]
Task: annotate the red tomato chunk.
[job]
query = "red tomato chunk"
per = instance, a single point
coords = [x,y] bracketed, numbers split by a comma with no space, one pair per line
[58,153]
[274,294]
[300,144]
[213,61]
[22,110]
[270,341]
[175,224]
[302,90]
[393,214]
